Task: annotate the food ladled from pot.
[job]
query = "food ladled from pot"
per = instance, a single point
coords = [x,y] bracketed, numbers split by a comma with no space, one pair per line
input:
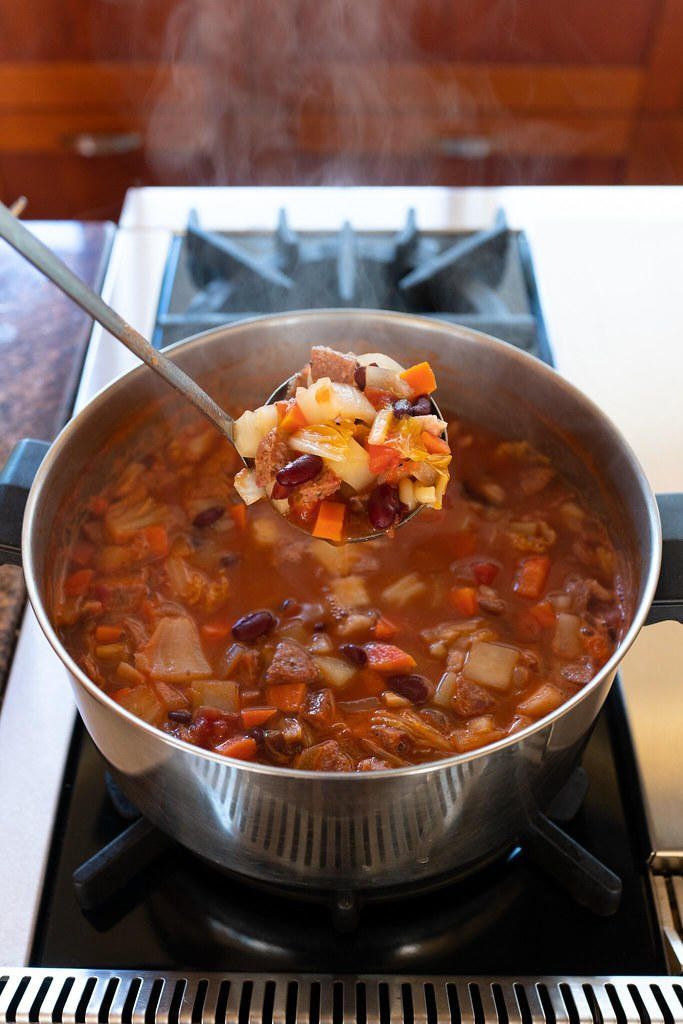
[216,624]
[354,449]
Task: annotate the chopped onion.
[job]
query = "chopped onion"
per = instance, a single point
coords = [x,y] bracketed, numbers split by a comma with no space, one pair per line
[381,426]
[355,469]
[382,379]
[252,427]
[330,441]
[325,401]
[247,488]
[381,359]
[491,664]
[445,689]
[334,671]
[567,638]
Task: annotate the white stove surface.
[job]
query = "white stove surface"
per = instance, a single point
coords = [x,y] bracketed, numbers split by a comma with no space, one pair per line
[608,265]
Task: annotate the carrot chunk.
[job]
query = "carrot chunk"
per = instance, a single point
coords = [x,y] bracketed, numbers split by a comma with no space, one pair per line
[239,515]
[420,378]
[532,575]
[293,419]
[544,613]
[78,582]
[435,445]
[242,747]
[287,696]
[217,629]
[256,716]
[157,540]
[329,523]
[387,658]
[384,629]
[108,634]
[464,600]
[381,458]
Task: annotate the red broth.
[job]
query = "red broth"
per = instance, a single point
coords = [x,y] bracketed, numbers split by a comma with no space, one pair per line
[223,626]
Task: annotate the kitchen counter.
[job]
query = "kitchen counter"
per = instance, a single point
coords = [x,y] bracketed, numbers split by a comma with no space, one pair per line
[43,338]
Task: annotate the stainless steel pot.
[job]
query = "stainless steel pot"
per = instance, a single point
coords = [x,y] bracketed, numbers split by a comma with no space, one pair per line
[370,830]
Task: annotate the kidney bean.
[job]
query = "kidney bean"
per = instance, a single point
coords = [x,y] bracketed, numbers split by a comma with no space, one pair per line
[278,492]
[422,406]
[181,715]
[413,687]
[384,506]
[485,572]
[209,516]
[355,654]
[300,471]
[250,627]
[402,407]
[258,733]
[360,377]
[228,560]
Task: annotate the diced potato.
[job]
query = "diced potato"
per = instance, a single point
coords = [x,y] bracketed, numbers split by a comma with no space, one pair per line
[334,671]
[381,359]
[324,401]
[252,427]
[356,624]
[477,733]
[320,644]
[355,469]
[406,493]
[567,638]
[425,495]
[445,689]
[404,590]
[143,702]
[491,664]
[247,488]
[336,558]
[542,701]
[350,591]
[222,694]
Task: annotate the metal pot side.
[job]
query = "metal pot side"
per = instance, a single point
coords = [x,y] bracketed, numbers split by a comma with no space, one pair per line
[370,830]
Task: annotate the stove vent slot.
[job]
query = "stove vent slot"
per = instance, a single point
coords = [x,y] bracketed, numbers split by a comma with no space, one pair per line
[36,996]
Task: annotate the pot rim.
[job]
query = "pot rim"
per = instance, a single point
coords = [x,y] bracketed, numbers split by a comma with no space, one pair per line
[506,351]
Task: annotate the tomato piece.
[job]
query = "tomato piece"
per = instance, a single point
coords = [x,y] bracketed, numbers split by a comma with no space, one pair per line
[485,572]
[381,458]
[384,629]
[387,658]
[78,582]
[379,398]
[464,600]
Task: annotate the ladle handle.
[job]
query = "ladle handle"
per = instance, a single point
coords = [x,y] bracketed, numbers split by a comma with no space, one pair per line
[32,249]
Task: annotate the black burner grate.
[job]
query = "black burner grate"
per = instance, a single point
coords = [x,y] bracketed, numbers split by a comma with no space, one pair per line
[480,279]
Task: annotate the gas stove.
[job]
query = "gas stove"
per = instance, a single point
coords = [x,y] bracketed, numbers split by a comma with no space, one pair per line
[108,921]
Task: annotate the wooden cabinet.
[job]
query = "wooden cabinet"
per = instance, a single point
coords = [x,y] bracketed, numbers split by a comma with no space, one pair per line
[96,96]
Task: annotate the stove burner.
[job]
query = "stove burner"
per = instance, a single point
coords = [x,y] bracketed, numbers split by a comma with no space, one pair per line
[479,279]
[548,847]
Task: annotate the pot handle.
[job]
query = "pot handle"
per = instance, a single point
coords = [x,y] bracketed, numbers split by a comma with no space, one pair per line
[15,483]
[668,600]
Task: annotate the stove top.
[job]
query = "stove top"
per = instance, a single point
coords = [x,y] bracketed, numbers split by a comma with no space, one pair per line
[482,279]
[180,913]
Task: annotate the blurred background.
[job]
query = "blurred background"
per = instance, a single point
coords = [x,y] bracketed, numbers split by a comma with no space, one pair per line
[99,95]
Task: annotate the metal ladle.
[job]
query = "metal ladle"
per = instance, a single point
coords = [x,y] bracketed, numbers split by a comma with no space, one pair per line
[49,264]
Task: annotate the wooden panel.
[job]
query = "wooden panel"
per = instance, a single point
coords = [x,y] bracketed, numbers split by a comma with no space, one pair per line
[60,132]
[104,85]
[664,84]
[441,86]
[543,31]
[657,152]
[509,135]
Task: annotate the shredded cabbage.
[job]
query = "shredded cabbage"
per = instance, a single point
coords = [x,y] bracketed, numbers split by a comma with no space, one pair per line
[329,440]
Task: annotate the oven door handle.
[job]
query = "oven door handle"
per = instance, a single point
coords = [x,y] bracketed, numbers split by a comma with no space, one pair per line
[16,478]
[668,600]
